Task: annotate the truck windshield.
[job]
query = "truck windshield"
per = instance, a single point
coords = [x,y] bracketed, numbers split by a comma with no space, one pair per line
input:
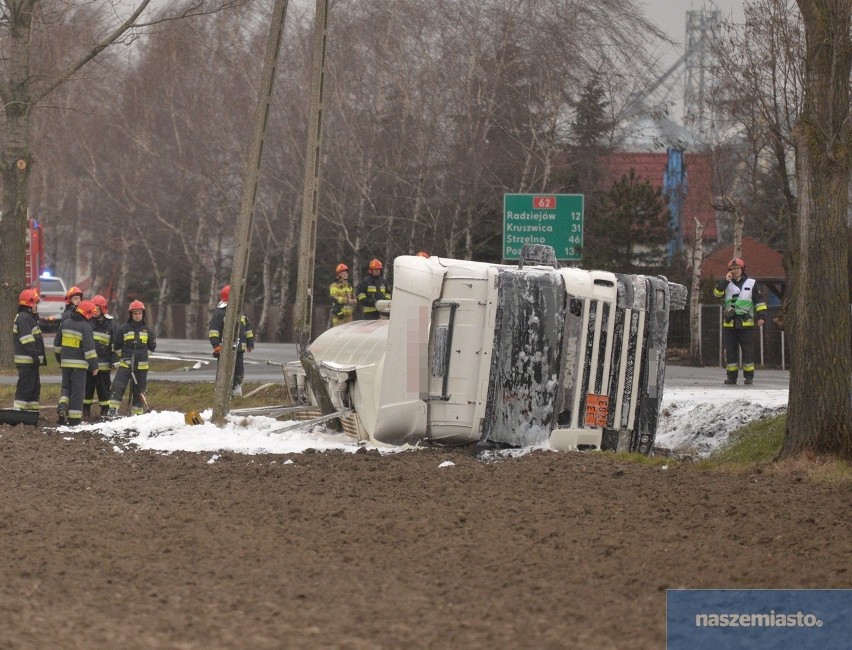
[51,285]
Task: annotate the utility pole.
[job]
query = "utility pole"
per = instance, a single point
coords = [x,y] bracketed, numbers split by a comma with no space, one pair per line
[310,196]
[308,234]
[242,239]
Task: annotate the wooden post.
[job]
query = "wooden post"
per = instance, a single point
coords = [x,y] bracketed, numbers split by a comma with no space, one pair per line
[242,238]
[304,307]
[310,195]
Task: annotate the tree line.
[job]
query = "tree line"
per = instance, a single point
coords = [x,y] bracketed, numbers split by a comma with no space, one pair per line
[432,112]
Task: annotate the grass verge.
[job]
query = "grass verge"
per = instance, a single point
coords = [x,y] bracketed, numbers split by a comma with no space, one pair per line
[171,396]
[755,446]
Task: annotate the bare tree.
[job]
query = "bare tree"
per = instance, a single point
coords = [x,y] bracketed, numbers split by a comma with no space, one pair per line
[21,91]
[760,92]
[695,294]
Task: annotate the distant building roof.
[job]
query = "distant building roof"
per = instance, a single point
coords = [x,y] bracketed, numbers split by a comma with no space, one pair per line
[762,262]
[697,203]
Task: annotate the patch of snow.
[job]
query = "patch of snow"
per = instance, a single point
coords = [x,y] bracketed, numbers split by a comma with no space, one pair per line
[692,422]
[697,422]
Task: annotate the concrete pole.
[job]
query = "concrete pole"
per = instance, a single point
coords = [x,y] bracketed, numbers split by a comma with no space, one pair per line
[303,309]
[242,237]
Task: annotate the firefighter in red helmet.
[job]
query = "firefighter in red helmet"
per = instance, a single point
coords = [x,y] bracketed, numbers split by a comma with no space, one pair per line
[372,289]
[74,347]
[243,344]
[29,352]
[103,328]
[131,343]
[342,297]
[72,298]
[744,306]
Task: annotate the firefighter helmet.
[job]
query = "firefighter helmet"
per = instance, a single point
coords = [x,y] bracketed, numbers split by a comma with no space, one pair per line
[73,291]
[340,269]
[423,254]
[225,293]
[28,298]
[87,308]
[375,264]
[101,302]
[136,305]
[737,261]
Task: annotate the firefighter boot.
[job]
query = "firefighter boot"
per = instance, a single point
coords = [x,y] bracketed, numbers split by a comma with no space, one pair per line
[87,411]
[61,415]
[111,414]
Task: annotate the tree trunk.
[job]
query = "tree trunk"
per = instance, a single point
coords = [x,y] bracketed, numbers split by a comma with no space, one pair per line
[819,413]
[15,172]
[695,294]
[739,226]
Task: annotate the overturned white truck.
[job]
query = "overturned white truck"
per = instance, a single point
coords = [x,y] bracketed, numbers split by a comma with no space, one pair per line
[508,355]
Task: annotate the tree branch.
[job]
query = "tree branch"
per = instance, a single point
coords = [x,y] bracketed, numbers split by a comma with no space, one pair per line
[194,9]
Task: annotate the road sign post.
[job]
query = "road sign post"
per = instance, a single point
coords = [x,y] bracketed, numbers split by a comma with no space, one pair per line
[552,219]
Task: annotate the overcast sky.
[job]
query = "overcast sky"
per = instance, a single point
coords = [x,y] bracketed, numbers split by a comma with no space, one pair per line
[670,16]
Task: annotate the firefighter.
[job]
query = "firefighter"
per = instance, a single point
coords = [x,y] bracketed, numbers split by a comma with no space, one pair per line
[75,346]
[103,327]
[29,352]
[423,254]
[244,342]
[371,289]
[72,299]
[743,301]
[131,343]
[343,299]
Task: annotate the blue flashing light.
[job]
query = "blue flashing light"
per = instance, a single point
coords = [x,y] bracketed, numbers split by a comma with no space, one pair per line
[46,274]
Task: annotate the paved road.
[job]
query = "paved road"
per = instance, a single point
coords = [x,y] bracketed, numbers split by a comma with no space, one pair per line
[711,377]
[263,365]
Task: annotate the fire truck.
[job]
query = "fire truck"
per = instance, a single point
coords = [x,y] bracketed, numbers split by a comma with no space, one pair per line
[50,288]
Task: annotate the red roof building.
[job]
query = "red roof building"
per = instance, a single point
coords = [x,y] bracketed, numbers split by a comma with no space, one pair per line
[762,263]
[698,201]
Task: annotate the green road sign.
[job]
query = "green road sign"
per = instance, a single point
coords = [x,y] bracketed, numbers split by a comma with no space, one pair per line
[552,219]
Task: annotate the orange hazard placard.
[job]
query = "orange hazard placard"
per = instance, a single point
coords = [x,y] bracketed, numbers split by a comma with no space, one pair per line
[597,410]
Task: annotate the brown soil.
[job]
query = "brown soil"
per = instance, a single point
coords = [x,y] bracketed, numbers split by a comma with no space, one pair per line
[100,549]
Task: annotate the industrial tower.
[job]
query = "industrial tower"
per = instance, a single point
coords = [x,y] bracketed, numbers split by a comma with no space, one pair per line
[701,65]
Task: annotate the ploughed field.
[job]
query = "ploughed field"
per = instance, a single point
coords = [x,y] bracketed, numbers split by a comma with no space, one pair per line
[102,549]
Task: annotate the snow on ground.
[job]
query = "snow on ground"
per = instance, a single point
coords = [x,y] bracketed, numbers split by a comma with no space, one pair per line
[692,421]
[697,422]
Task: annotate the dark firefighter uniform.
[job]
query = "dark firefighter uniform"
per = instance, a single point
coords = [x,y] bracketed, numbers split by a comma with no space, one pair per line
[131,342]
[743,301]
[75,350]
[29,357]
[244,343]
[371,289]
[103,328]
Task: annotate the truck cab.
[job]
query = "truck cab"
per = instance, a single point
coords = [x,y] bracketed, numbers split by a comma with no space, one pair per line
[52,292]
